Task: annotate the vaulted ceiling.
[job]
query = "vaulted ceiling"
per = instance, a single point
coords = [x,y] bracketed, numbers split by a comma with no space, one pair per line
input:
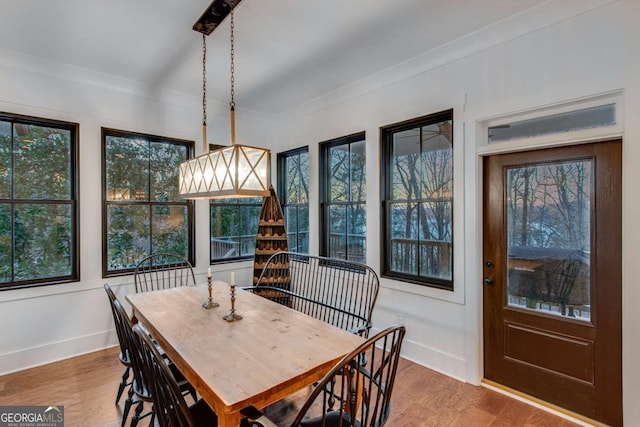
[287,51]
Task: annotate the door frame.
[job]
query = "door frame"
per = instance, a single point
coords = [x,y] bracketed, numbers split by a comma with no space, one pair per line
[476,148]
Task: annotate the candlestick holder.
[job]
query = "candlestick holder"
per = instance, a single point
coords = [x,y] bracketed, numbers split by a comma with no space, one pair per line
[232,316]
[209,303]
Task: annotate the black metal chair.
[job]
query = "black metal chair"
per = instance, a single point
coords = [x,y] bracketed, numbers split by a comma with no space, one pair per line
[124,357]
[361,384]
[139,391]
[163,271]
[168,402]
[339,292]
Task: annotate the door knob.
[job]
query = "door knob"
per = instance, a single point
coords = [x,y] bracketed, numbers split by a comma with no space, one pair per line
[489,280]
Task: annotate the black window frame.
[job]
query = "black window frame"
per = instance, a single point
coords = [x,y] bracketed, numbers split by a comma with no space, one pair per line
[386,147]
[282,189]
[73,201]
[325,204]
[189,204]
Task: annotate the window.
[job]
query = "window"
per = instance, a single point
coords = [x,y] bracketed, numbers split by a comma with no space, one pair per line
[234,226]
[417,184]
[570,121]
[38,202]
[293,191]
[343,222]
[142,212]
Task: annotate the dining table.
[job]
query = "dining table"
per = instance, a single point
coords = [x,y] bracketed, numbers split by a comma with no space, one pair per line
[272,352]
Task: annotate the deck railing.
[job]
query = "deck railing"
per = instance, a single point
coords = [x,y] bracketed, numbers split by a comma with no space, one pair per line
[430,258]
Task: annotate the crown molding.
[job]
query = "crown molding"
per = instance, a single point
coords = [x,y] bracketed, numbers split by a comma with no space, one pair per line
[58,70]
[531,20]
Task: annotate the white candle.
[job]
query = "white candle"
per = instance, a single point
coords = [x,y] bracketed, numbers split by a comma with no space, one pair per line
[209,272]
[233,278]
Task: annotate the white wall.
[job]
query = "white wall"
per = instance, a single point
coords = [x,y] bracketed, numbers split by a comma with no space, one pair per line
[591,48]
[560,51]
[52,322]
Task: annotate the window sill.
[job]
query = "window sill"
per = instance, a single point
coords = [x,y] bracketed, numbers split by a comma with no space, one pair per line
[456,296]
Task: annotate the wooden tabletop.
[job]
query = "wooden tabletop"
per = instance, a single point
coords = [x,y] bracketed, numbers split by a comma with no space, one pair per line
[272,352]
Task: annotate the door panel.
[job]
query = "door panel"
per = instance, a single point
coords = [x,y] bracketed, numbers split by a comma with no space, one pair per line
[519,339]
[552,266]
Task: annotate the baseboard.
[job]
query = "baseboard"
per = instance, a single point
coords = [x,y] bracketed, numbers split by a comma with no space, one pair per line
[52,352]
[432,358]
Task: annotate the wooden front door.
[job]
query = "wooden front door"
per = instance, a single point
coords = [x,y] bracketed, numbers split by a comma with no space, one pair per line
[552,276]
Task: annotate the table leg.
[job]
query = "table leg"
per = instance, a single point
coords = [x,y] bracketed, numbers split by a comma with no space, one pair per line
[229,420]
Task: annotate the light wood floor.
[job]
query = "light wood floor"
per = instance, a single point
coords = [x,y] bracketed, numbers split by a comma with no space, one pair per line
[87,385]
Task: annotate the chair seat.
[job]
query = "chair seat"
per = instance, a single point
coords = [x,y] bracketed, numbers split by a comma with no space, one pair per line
[124,359]
[144,394]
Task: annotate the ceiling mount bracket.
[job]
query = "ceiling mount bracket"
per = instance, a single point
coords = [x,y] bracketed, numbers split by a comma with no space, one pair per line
[214,15]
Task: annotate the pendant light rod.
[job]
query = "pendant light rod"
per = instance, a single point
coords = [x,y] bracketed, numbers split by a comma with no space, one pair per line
[205,148]
[232,104]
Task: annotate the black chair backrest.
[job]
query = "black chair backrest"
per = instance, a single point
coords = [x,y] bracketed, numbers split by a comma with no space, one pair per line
[168,402]
[361,385]
[125,325]
[122,337]
[163,271]
[342,293]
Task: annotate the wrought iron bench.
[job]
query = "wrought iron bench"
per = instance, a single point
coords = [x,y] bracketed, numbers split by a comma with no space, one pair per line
[341,293]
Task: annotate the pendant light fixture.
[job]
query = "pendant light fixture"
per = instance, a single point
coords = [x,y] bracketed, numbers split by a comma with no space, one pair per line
[233,171]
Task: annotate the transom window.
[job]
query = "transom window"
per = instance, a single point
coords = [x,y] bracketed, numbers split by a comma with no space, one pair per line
[142,212]
[417,164]
[558,123]
[343,192]
[293,192]
[38,202]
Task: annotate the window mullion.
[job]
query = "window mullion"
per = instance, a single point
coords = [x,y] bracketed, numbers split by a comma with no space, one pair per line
[151,245]
[419,203]
[13,208]
[13,240]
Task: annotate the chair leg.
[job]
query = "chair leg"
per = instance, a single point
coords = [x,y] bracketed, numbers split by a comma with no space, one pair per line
[331,400]
[127,406]
[136,416]
[123,384]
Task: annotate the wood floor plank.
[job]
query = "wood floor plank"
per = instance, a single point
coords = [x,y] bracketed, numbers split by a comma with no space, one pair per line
[86,386]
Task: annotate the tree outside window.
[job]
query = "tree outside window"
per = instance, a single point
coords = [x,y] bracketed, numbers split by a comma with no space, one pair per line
[343,192]
[418,200]
[548,213]
[38,201]
[142,212]
[293,190]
